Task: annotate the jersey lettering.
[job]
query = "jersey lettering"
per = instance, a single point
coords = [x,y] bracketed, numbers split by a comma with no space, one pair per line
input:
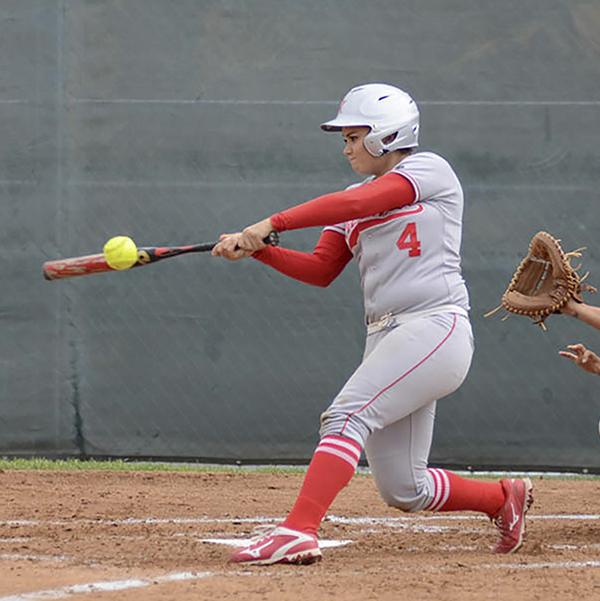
[408,240]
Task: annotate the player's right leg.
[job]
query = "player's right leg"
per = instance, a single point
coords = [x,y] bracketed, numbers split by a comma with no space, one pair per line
[398,457]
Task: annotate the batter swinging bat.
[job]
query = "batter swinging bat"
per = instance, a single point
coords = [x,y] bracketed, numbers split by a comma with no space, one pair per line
[89,264]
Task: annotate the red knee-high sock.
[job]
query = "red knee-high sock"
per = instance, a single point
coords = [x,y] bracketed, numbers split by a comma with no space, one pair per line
[332,467]
[453,493]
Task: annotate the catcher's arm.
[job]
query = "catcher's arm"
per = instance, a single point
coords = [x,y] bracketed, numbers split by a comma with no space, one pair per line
[583,357]
[586,313]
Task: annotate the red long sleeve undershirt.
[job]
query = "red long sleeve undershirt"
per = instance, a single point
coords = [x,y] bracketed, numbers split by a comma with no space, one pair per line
[319,268]
[391,191]
[331,254]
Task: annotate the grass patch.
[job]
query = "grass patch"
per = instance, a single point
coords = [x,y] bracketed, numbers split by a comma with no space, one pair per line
[121,465]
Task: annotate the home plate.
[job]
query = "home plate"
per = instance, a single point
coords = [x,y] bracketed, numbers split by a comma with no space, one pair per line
[244,542]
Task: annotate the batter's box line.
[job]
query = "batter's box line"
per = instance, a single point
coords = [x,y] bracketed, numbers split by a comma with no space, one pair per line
[367,520]
[544,565]
[122,585]
[34,557]
[136,583]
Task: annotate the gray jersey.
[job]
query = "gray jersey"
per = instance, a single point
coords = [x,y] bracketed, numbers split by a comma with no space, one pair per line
[409,258]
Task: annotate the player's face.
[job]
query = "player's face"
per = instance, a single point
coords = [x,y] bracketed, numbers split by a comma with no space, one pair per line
[354,150]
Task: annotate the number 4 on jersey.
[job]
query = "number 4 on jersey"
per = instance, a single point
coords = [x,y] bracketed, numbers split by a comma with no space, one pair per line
[408,240]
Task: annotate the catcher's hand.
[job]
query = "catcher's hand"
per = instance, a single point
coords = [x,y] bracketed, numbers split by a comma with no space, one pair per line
[544,281]
[583,357]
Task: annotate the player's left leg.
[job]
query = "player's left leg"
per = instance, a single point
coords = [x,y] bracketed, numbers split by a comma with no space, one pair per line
[398,457]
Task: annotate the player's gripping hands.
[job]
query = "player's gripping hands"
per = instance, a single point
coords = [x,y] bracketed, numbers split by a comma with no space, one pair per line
[228,247]
[252,238]
[243,244]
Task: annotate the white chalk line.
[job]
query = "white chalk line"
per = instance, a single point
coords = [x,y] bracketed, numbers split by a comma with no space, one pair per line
[120,585]
[544,565]
[33,557]
[244,542]
[107,586]
[540,565]
[458,518]
[229,538]
[368,520]
[414,527]
[136,583]
[574,547]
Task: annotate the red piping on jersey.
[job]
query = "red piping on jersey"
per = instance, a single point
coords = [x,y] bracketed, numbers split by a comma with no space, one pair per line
[413,181]
[363,225]
[369,402]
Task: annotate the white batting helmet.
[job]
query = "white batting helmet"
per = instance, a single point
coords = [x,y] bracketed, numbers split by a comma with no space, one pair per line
[386,110]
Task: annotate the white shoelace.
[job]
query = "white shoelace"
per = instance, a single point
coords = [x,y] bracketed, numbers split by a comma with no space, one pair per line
[261,531]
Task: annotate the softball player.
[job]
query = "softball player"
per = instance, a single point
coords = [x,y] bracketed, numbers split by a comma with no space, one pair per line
[402,225]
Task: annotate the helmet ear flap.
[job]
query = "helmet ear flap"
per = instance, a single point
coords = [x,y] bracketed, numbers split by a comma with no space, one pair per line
[373,145]
[378,147]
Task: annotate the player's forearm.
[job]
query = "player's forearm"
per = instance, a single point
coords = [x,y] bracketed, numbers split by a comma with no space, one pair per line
[318,268]
[297,265]
[586,313]
[388,192]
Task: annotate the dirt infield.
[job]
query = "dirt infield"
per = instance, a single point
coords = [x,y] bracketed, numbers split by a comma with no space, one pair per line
[141,535]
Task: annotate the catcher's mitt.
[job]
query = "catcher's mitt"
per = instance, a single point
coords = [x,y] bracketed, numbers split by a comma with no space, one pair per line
[544,281]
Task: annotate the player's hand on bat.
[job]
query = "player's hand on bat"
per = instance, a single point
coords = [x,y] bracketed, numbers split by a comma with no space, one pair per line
[228,248]
[583,357]
[253,236]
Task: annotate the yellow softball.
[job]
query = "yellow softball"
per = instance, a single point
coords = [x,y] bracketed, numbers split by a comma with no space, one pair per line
[120,252]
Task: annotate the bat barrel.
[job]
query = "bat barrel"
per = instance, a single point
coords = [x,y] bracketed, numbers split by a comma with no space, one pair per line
[75,266]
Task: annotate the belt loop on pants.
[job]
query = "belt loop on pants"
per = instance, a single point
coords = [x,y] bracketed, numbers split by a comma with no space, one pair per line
[392,319]
[385,321]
